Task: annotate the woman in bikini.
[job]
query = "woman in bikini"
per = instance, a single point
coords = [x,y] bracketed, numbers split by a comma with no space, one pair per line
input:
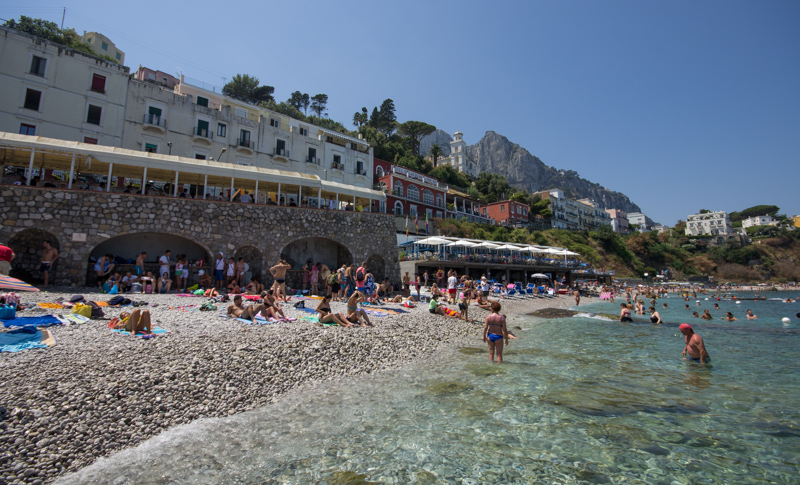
[494,333]
[272,304]
[355,314]
[326,316]
[655,317]
[625,313]
[135,322]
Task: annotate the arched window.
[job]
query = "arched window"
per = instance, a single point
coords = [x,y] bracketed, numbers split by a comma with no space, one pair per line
[379,171]
[439,202]
[398,188]
[427,197]
[412,192]
[398,208]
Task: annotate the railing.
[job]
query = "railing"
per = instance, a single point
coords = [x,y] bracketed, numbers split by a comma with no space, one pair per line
[281,152]
[311,160]
[202,132]
[155,120]
[361,172]
[246,143]
[337,165]
[414,175]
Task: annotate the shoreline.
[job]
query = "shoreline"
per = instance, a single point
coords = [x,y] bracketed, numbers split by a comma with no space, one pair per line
[97,392]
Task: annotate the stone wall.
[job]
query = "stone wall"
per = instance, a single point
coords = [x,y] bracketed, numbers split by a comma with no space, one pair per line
[77,221]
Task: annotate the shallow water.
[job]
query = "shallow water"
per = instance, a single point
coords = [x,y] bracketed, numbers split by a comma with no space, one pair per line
[579,400]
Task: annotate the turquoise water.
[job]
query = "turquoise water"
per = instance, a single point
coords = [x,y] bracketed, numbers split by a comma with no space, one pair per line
[579,400]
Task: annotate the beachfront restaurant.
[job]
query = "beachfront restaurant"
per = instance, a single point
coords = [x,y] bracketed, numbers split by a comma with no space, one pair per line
[48,162]
[499,261]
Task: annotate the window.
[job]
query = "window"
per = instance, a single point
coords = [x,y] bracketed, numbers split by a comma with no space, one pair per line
[427,197]
[502,208]
[241,112]
[151,76]
[201,101]
[150,148]
[412,211]
[439,201]
[25,129]
[37,65]
[32,99]
[398,188]
[379,171]
[429,213]
[280,147]
[154,115]
[398,208]
[439,214]
[244,138]
[412,192]
[360,168]
[90,141]
[98,83]
[274,122]
[118,56]
[202,128]
[93,115]
[304,131]
[104,46]
[337,162]
[199,156]
[312,155]
[222,129]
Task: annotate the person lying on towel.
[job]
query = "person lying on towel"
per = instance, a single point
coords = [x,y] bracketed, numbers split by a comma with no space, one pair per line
[248,312]
[135,322]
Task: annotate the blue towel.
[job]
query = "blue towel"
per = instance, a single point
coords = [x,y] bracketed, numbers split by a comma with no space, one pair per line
[21,339]
[156,331]
[40,321]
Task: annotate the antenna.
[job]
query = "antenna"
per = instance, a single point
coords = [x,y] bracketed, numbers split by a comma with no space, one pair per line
[62,18]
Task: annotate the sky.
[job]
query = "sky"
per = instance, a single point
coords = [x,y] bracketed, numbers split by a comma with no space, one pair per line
[681,105]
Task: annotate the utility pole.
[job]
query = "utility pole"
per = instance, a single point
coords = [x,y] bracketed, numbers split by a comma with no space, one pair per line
[62,18]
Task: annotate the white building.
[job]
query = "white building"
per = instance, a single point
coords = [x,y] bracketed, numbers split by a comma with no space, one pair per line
[53,91]
[758,221]
[574,214]
[102,46]
[710,223]
[458,158]
[619,221]
[640,222]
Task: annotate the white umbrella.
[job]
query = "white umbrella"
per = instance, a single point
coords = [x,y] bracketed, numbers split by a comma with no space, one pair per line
[488,245]
[467,244]
[432,241]
[539,275]
[508,247]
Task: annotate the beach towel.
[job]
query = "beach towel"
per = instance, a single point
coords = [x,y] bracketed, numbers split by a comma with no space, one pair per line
[377,313]
[21,339]
[72,319]
[40,321]
[187,294]
[50,306]
[156,331]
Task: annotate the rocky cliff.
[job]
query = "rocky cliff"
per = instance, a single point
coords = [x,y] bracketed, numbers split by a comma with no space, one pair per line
[439,137]
[496,154]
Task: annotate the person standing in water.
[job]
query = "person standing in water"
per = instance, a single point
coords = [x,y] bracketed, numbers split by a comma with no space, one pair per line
[495,332]
[694,345]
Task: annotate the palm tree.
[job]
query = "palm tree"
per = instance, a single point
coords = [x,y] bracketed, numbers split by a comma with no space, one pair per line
[435,152]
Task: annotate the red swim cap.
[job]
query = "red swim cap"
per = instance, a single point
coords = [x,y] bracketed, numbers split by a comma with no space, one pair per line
[685,326]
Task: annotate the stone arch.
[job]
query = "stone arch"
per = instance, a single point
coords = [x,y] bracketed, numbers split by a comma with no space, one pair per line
[129,246]
[27,245]
[255,259]
[377,266]
[328,251]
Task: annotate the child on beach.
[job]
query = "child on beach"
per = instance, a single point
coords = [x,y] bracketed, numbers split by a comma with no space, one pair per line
[464,307]
[497,324]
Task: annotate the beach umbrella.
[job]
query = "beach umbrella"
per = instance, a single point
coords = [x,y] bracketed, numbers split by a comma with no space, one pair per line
[432,241]
[540,275]
[488,245]
[461,242]
[9,283]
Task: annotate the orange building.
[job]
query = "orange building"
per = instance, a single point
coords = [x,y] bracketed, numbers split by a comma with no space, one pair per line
[508,212]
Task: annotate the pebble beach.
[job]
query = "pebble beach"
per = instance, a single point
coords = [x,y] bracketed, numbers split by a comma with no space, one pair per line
[97,392]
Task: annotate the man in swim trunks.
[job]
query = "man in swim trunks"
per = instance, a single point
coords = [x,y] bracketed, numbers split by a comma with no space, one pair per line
[279,273]
[49,256]
[694,345]
[452,284]
[138,269]
[248,312]
[219,271]
[750,315]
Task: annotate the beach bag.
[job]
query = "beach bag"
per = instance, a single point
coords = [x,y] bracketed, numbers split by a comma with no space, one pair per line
[208,306]
[148,289]
[199,292]
[97,312]
[136,287]
[332,278]
[300,304]
[8,312]
[193,288]
[82,309]
[359,274]
[114,290]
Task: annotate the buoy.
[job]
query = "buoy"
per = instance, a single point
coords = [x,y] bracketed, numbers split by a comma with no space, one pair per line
[738,303]
[786,320]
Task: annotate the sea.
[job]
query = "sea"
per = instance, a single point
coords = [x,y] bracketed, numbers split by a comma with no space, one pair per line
[583,399]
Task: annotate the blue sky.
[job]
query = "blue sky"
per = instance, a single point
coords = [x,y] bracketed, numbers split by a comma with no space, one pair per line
[681,105]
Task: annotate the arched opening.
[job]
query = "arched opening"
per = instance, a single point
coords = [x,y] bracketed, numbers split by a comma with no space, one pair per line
[317,249]
[379,171]
[254,259]
[27,245]
[126,249]
[398,208]
[377,266]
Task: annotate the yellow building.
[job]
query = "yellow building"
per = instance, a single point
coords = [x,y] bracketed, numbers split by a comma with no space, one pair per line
[796,221]
[103,46]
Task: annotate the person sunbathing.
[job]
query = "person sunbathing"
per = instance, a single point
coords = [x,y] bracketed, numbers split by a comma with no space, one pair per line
[233,288]
[355,314]
[247,312]
[326,316]
[211,293]
[271,302]
[135,322]
[254,287]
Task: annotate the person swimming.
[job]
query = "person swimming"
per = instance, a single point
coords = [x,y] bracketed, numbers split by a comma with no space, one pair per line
[625,313]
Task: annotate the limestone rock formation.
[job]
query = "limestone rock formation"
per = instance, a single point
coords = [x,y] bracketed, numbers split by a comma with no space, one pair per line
[441,138]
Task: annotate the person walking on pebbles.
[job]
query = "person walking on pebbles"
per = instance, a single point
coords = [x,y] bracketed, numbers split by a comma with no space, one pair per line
[495,332]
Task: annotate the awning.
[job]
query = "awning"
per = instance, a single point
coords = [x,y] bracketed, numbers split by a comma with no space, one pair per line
[342,136]
[352,190]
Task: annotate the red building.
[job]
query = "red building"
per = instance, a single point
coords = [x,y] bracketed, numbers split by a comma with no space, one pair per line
[408,192]
[508,212]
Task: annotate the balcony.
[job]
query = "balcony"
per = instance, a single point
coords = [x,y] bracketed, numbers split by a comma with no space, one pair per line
[312,160]
[280,154]
[155,123]
[337,165]
[245,145]
[202,135]
[361,172]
